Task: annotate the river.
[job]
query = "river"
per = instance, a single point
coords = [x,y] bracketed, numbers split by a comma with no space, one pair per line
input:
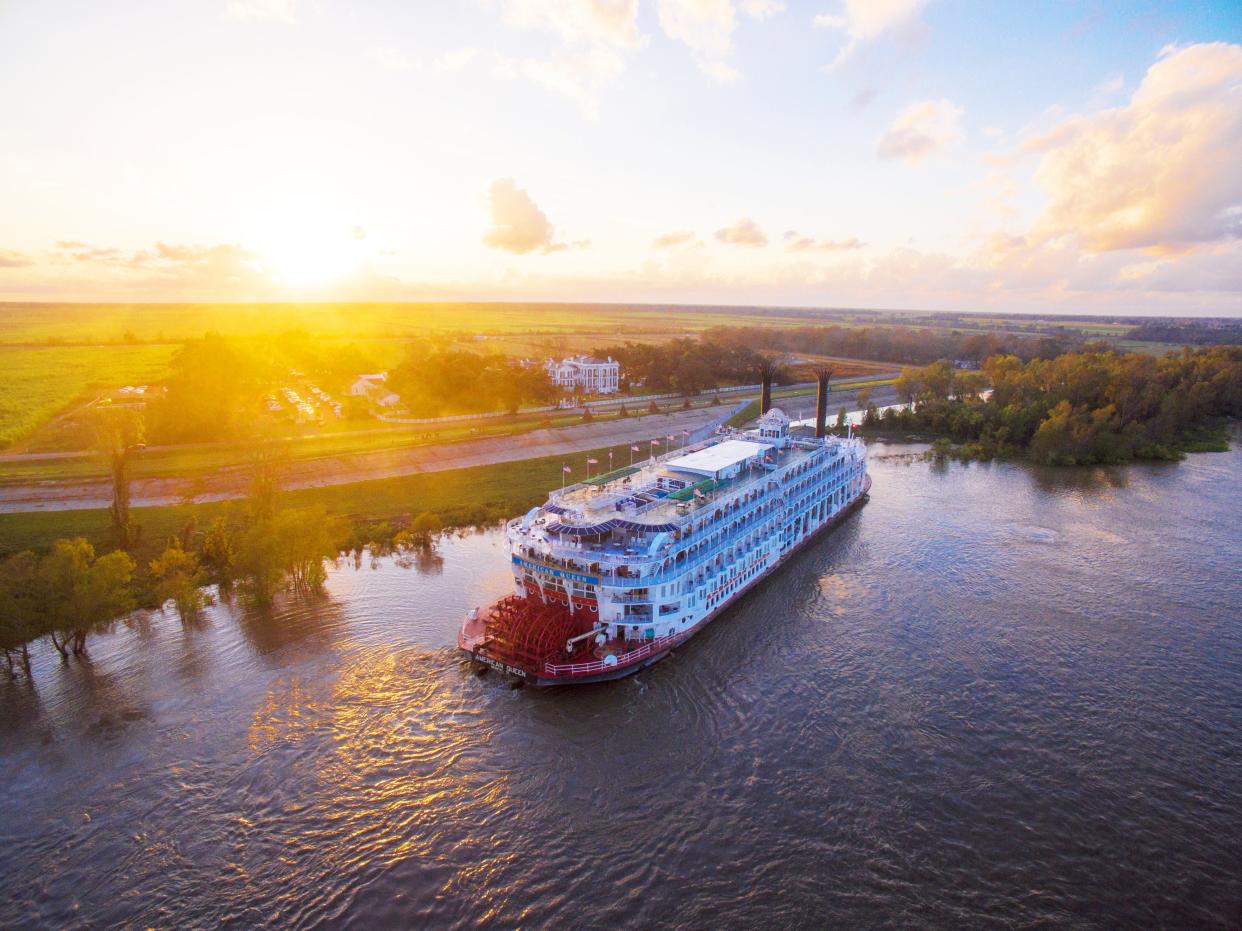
[998,695]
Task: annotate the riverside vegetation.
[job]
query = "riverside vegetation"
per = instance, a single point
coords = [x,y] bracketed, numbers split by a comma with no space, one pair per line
[1076,408]
[259,548]
[1088,407]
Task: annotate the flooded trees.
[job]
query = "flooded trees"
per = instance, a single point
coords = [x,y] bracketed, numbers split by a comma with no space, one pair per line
[177,577]
[1081,408]
[19,608]
[79,593]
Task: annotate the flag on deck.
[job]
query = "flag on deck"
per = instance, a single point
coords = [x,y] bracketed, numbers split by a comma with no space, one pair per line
[592,462]
[635,449]
[566,469]
[655,442]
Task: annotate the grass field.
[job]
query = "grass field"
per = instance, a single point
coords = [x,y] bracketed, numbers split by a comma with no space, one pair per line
[37,383]
[461,497]
[121,323]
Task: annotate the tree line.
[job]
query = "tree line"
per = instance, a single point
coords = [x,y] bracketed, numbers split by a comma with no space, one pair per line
[910,345]
[686,365]
[71,592]
[1076,408]
[434,380]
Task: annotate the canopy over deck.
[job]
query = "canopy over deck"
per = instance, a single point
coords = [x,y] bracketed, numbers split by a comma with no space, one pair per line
[713,460]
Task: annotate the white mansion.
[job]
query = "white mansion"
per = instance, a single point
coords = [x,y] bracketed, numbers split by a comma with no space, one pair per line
[582,373]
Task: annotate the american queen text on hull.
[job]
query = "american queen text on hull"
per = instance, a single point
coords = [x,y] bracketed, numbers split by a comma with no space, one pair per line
[612,573]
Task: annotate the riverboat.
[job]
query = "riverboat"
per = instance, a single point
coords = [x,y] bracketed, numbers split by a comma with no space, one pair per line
[612,573]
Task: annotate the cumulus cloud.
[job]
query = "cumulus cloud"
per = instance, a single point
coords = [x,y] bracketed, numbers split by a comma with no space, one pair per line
[745,232]
[762,9]
[797,243]
[678,238]
[282,11]
[595,37]
[865,20]
[11,259]
[921,130]
[706,28]
[518,225]
[1160,172]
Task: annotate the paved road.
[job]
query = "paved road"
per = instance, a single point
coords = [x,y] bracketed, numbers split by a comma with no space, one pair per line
[231,482]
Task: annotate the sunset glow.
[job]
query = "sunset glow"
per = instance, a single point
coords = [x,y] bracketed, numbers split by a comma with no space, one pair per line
[906,154]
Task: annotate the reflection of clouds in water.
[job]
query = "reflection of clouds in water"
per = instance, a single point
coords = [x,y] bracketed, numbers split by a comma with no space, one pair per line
[839,590]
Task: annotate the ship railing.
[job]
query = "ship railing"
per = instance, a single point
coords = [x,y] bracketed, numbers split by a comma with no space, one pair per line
[624,659]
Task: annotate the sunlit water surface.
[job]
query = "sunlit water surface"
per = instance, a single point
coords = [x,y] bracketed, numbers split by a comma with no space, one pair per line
[996,695]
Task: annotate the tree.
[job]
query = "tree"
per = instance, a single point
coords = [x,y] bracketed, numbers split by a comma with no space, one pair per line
[425,528]
[119,433]
[20,613]
[306,537]
[906,386]
[268,459]
[82,594]
[219,551]
[178,578]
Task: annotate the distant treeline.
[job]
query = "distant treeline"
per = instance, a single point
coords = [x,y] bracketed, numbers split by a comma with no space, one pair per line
[1078,408]
[686,365]
[1189,333]
[433,381]
[891,344]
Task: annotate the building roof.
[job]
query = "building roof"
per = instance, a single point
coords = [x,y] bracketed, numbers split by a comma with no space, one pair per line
[716,458]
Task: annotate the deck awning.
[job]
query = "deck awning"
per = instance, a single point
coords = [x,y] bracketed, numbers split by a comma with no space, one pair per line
[713,460]
[611,476]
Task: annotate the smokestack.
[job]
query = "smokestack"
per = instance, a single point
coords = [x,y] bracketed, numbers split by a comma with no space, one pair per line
[767,368]
[821,401]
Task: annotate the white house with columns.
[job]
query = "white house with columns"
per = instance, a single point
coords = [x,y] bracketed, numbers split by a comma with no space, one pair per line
[587,375]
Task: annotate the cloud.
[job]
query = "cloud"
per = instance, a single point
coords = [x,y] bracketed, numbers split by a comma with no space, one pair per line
[921,130]
[518,225]
[11,259]
[280,11]
[455,59]
[389,58]
[865,20]
[862,99]
[706,28]
[796,243]
[745,232]
[595,36]
[678,238]
[761,9]
[1160,172]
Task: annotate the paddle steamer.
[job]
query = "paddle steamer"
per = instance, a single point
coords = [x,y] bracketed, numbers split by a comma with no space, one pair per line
[612,573]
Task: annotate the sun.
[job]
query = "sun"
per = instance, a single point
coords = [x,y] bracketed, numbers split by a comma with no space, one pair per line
[306,242]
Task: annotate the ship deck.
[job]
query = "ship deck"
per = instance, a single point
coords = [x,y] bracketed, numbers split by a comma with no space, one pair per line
[632,495]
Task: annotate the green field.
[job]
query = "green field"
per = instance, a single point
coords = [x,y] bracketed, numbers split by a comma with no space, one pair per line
[461,497]
[37,383]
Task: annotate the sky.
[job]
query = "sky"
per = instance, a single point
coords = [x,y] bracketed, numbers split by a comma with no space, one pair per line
[1071,157]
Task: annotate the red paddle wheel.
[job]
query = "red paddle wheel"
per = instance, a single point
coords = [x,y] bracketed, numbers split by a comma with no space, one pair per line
[527,632]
